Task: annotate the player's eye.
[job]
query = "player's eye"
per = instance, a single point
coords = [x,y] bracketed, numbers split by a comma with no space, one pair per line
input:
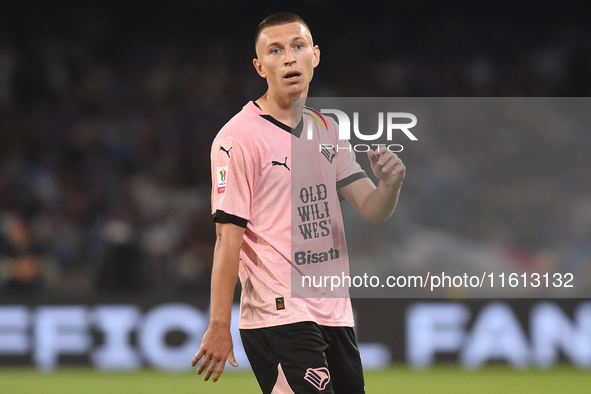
[275,51]
[299,46]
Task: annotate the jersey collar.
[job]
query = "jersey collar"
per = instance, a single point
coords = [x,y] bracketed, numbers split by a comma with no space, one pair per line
[297,131]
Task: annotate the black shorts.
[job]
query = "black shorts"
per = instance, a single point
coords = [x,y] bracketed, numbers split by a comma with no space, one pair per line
[304,358]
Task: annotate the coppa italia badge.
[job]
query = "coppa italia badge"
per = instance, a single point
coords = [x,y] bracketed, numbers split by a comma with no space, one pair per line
[222,175]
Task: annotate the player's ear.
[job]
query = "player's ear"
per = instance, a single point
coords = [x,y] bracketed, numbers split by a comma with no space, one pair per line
[316,56]
[259,67]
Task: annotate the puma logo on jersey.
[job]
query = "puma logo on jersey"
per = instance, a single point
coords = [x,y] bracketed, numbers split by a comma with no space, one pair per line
[278,163]
[226,150]
[318,377]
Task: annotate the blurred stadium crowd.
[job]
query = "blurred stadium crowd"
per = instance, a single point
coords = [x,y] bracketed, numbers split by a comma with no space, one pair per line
[105,137]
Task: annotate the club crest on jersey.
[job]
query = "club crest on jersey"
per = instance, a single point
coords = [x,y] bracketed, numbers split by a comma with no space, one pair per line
[221,176]
[329,154]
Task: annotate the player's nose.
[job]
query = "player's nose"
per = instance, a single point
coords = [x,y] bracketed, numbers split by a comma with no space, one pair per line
[289,57]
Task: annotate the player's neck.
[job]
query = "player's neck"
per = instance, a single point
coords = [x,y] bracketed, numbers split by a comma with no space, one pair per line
[280,107]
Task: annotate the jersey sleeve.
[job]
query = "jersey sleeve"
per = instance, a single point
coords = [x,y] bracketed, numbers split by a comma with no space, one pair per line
[232,179]
[348,170]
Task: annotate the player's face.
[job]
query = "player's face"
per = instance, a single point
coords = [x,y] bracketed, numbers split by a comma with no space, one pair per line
[287,58]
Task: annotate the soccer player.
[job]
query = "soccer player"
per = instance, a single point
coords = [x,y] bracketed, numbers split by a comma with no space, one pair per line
[294,344]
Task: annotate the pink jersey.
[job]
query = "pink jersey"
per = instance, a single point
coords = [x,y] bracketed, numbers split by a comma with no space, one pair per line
[282,188]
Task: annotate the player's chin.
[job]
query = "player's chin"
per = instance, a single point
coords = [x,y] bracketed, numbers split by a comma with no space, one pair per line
[295,90]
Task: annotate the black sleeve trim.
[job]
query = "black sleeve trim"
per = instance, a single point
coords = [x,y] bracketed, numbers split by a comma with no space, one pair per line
[222,217]
[351,178]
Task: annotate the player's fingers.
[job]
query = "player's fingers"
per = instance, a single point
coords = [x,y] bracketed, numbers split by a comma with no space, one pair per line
[382,154]
[377,168]
[399,169]
[213,364]
[197,357]
[390,163]
[218,370]
[387,156]
[373,158]
[204,363]
[232,359]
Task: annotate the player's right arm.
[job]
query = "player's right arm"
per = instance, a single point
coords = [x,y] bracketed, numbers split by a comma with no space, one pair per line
[216,346]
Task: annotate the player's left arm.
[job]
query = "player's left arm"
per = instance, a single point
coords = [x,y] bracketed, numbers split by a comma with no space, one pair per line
[377,204]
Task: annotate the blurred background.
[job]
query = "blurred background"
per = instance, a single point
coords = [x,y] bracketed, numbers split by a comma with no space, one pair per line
[108,110]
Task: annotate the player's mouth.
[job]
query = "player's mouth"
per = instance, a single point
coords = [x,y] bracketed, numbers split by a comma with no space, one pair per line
[292,76]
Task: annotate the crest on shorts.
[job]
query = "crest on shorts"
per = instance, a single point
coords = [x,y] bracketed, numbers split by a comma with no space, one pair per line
[317,377]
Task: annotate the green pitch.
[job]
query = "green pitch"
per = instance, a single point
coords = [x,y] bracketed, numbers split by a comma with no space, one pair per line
[397,379]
